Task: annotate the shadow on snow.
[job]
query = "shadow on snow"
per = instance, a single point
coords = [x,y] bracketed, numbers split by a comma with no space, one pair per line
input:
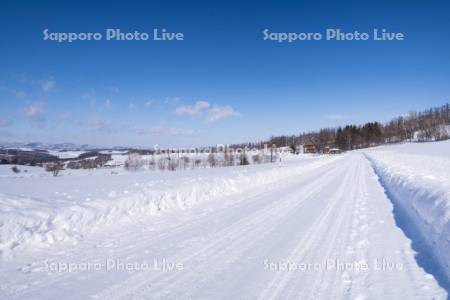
[424,254]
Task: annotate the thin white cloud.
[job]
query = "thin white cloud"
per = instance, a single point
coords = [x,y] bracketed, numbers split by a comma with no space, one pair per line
[172,100]
[171,131]
[192,110]
[93,124]
[47,85]
[217,113]
[103,126]
[34,111]
[108,103]
[181,132]
[100,125]
[160,130]
[149,103]
[131,106]
[139,130]
[210,113]
[337,117]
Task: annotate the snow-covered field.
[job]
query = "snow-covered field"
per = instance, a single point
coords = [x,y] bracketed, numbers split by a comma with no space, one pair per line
[367,224]
[39,209]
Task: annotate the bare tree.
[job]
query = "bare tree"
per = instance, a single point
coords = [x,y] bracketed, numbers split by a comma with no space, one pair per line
[162,164]
[152,163]
[243,160]
[256,159]
[197,162]
[172,164]
[133,162]
[54,167]
[185,160]
[228,158]
[212,160]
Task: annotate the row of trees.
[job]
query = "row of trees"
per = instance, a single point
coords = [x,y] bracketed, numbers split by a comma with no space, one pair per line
[135,161]
[429,125]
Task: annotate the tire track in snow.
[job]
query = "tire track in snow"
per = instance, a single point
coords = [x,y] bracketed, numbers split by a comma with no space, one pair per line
[312,196]
[336,241]
[242,235]
[278,284]
[353,248]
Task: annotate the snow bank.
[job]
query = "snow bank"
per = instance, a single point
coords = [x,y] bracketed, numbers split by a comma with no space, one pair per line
[420,186]
[40,220]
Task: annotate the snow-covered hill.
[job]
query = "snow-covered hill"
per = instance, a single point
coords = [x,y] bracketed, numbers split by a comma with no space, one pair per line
[44,146]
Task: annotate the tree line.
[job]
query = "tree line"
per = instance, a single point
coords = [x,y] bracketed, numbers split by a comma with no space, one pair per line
[429,125]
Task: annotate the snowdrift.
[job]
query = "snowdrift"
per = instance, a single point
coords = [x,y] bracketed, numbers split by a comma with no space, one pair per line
[420,187]
[39,221]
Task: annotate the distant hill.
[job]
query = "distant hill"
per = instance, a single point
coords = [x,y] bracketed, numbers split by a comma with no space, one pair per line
[55,147]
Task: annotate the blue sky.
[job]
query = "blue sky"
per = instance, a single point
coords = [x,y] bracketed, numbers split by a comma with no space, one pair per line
[223,83]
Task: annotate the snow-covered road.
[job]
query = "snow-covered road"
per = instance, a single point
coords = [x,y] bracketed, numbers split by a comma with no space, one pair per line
[326,233]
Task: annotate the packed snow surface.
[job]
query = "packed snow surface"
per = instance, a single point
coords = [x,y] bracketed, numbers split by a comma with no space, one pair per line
[315,227]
